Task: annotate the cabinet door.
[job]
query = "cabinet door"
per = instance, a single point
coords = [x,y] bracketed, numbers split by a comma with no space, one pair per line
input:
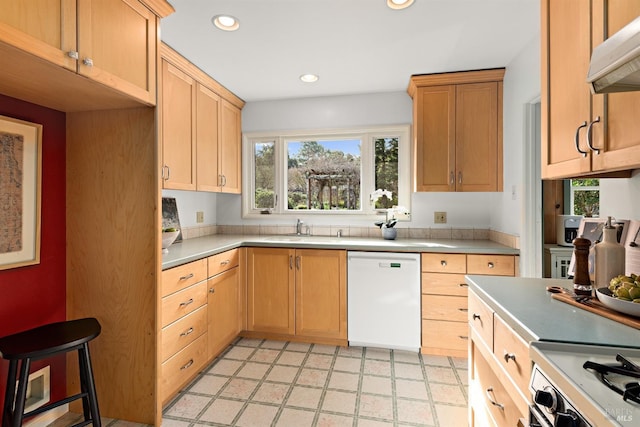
[230,144]
[321,293]
[178,129]
[617,134]
[434,118]
[46,28]
[121,56]
[224,310]
[565,97]
[207,139]
[270,290]
[477,137]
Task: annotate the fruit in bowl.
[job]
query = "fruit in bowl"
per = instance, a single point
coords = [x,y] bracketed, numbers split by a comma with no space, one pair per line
[169,235]
[623,294]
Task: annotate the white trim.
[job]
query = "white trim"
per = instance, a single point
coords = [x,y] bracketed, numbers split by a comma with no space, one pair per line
[367,179]
[531,238]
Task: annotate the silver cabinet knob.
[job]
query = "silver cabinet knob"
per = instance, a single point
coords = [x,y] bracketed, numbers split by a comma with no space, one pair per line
[73,54]
[88,62]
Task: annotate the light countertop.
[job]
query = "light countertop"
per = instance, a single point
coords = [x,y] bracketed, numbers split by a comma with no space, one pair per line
[526,305]
[201,247]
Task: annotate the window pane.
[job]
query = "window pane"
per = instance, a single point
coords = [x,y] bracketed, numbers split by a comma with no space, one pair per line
[265,176]
[586,197]
[386,170]
[323,175]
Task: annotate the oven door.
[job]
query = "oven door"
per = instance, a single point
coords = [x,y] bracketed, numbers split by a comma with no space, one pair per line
[536,418]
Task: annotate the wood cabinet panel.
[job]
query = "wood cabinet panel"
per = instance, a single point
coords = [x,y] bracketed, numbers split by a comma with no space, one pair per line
[321,293]
[183,302]
[224,310]
[271,290]
[230,148]
[183,332]
[444,284]
[207,139]
[495,265]
[445,338]
[444,307]
[223,261]
[481,319]
[178,128]
[182,368]
[444,263]
[477,137]
[180,277]
[512,353]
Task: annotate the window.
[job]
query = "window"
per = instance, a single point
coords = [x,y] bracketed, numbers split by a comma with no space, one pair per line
[333,172]
[585,197]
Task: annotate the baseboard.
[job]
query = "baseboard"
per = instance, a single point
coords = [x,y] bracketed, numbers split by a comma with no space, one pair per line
[48,417]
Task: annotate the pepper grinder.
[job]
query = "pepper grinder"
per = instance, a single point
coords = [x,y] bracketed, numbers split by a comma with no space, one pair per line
[581,281]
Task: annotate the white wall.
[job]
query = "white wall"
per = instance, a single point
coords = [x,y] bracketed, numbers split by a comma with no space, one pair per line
[521,87]
[620,198]
[190,202]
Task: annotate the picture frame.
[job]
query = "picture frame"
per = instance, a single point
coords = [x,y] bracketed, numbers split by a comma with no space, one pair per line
[20,192]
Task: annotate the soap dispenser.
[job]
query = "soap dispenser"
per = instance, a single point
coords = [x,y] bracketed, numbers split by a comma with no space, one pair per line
[609,256]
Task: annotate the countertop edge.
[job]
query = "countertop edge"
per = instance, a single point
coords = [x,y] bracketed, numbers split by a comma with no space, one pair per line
[202,247]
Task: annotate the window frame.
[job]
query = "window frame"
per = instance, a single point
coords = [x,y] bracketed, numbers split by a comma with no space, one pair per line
[577,188]
[367,179]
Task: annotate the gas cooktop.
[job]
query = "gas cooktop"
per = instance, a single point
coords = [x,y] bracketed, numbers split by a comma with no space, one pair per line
[590,379]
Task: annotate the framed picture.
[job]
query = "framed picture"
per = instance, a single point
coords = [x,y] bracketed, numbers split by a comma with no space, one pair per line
[20,188]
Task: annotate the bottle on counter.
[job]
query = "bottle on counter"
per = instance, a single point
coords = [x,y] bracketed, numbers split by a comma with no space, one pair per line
[609,257]
[581,281]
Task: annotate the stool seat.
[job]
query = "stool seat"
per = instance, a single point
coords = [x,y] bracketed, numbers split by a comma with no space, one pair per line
[41,342]
[50,339]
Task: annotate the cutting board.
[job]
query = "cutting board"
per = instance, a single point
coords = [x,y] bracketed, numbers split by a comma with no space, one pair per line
[595,306]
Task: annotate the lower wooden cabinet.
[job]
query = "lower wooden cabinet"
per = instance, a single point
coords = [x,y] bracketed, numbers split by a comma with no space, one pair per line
[444,297]
[223,309]
[182,367]
[297,294]
[499,369]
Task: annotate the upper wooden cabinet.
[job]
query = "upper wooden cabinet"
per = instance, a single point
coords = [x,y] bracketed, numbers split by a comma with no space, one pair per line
[457,128]
[584,134]
[112,42]
[199,127]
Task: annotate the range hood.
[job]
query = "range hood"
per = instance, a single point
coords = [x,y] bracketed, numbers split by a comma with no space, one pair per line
[615,64]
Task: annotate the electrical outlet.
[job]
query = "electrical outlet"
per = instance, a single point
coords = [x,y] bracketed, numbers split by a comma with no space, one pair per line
[440,217]
[199,217]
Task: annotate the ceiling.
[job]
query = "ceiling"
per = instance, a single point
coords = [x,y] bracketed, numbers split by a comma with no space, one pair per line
[355,46]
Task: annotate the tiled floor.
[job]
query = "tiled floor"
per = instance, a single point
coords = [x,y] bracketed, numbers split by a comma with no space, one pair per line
[258,383]
[271,383]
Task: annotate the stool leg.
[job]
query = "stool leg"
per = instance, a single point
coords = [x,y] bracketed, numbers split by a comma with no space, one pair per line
[21,396]
[87,378]
[83,385]
[10,392]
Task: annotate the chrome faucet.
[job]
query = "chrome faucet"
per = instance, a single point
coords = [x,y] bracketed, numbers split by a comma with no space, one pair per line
[299,227]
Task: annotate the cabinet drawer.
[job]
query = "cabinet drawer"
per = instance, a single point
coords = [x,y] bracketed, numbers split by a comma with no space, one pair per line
[445,335]
[512,353]
[222,262]
[183,366]
[495,265]
[183,302]
[183,331]
[182,276]
[481,319]
[491,394]
[444,263]
[444,307]
[444,284]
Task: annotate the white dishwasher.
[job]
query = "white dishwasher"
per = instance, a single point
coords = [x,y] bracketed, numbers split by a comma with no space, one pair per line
[383,300]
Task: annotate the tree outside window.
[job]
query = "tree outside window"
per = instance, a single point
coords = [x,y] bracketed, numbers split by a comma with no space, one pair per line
[585,197]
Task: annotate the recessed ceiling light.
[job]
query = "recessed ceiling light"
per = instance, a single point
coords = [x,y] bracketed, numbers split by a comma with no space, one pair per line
[399,4]
[309,78]
[226,22]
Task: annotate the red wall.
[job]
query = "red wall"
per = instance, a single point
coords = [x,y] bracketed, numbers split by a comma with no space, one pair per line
[35,295]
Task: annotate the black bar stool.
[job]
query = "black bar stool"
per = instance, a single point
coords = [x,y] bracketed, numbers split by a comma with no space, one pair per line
[39,343]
